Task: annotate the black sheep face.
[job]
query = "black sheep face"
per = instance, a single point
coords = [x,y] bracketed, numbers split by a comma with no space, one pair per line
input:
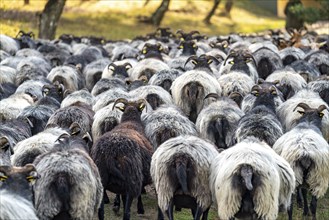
[202,61]
[189,48]
[18,180]
[26,40]
[239,61]
[164,33]
[152,51]
[120,71]
[311,115]
[132,110]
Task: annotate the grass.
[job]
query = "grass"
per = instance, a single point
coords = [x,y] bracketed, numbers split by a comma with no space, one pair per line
[150,206]
[117,19]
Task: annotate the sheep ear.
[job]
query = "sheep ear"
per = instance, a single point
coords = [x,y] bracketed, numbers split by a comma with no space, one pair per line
[67,92]
[87,138]
[5,144]
[3,173]
[75,129]
[33,174]
[236,97]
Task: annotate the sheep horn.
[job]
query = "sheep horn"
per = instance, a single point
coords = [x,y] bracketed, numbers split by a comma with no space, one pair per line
[62,136]
[112,64]
[119,100]
[322,107]
[127,64]
[208,57]
[29,167]
[142,101]
[20,32]
[193,57]
[212,95]
[194,32]
[248,55]
[302,105]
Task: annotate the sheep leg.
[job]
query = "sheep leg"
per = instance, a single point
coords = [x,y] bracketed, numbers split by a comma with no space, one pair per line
[140,206]
[313,206]
[170,211]
[101,210]
[106,198]
[127,200]
[205,214]
[116,204]
[299,198]
[160,214]
[304,193]
[198,213]
[289,211]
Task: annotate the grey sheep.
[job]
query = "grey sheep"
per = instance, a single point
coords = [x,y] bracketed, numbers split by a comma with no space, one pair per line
[180,172]
[93,72]
[189,89]
[320,59]
[8,44]
[105,119]
[167,122]
[218,121]
[69,76]
[250,181]
[106,84]
[16,192]
[108,97]
[7,74]
[321,86]
[235,81]
[154,95]
[82,96]
[13,105]
[289,55]
[289,118]
[289,80]
[307,70]
[261,121]
[70,185]
[308,154]
[27,150]
[164,78]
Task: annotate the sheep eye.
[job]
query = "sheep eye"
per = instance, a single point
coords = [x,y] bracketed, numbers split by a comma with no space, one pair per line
[274,92]
[248,60]
[144,51]
[225,46]
[181,47]
[194,45]
[128,67]
[255,93]
[300,112]
[160,48]
[111,68]
[210,61]
[231,62]
[182,39]
[321,114]
[30,178]
[121,108]
[46,91]
[141,107]
[3,178]
[5,146]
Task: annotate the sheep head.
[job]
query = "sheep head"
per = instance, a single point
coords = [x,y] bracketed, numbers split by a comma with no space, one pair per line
[18,180]
[120,71]
[202,61]
[307,109]
[189,47]
[153,51]
[132,110]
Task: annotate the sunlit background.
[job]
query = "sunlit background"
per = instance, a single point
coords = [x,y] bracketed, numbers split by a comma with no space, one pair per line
[120,19]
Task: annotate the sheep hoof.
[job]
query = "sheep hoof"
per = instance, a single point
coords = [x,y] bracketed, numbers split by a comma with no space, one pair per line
[141,211]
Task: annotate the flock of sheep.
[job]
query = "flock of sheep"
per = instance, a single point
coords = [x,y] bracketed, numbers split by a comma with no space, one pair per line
[239,121]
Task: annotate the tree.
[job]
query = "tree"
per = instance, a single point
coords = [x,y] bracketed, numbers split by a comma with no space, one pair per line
[228,7]
[291,12]
[49,18]
[158,15]
[211,12]
[26,2]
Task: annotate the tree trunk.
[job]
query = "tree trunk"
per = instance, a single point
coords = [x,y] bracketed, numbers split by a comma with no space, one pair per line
[26,2]
[212,12]
[292,21]
[228,7]
[158,15]
[49,18]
